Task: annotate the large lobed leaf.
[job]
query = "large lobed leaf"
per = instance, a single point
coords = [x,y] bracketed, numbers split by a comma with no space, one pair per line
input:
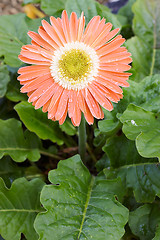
[80,206]
[145,47]
[144,221]
[13,35]
[4,80]
[144,126]
[19,206]
[14,143]
[37,121]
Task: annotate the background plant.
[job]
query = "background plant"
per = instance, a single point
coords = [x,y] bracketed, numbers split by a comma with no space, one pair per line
[117,195]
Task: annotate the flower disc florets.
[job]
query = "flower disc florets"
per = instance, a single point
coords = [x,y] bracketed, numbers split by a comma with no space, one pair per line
[74,66]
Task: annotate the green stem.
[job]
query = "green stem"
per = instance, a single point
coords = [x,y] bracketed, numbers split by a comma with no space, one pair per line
[82,138]
[43,152]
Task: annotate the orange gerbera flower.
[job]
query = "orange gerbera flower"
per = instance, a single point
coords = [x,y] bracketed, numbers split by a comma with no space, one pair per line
[74,70]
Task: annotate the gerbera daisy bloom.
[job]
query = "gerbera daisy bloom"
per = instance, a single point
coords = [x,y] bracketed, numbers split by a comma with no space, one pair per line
[74,70]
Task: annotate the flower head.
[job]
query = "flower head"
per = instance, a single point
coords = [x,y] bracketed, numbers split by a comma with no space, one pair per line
[74,70]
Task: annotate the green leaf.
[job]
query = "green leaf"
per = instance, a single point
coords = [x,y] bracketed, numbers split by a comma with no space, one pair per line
[142,178]
[144,126]
[14,143]
[122,151]
[108,126]
[9,170]
[157,235]
[142,58]
[13,91]
[146,25]
[68,127]
[80,206]
[19,206]
[13,35]
[146,22]
[103,11]
[87,6]
[126,11]
[52,7]
[36,121]
[143,221]
[4,80]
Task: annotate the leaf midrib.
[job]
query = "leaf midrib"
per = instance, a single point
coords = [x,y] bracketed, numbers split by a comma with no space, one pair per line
[86,204]
[21,210]
[154,44]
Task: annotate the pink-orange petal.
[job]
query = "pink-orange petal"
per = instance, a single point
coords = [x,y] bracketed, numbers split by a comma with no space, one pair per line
[65,25]
[42,89]
[46,105]
[73,24]
[36,49]
[32,61]
[31,75]
[111,46]
[63,118]
[34,83]
[114,67]
[92,104]
[54,102]
[27,69]
[40,41]
[101,39]
[57,25]
[81,24]
[51,32]
[47,38]
[71,103]
[109,84]
[45,96]
[101,99]
[62,105]
[76,117]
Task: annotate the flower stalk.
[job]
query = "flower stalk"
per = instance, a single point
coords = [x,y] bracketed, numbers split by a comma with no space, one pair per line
[82,139]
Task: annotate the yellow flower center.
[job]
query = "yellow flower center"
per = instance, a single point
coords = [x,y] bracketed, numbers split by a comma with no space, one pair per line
[75,64]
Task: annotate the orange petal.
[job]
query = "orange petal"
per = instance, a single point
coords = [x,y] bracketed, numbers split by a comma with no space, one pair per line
[45,96]
[112,96]
[111,34]
[46,105]
[54,102]
[34,83]
[101,39]
[47,38]
[111,46]
[31,75]
[28,69]
[36,49]
[91,29]
[81,24]
[62,105]
[40,41]
[31,61]
[76,117]
[109,84]
[42,89]
[73,24]
[52,33]
[114,67]
[57,25]
[101,99]
[92,104]
[65,25]
[61,121]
